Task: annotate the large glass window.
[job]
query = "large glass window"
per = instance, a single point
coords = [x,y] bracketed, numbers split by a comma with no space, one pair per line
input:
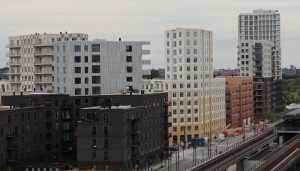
[95,58]
[96,69]
[77,69]
[96,90]
[95,47]
[77,59]
[77,48]
[128,48]
[96,79]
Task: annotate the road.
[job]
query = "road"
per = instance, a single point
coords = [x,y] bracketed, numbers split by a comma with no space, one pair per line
[186,156]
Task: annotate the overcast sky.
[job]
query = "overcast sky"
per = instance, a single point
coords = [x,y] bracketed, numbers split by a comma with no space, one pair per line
[146,20]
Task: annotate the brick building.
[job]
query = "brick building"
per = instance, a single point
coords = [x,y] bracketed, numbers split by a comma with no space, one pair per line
[239,101]
[21,134]
[61,112]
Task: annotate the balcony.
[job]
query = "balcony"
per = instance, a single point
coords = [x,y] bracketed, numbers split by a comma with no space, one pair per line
[10,135]
[15,63]
[43,53]
[13,72]
[43,72]
[146,52]
[13,46]
[135,132]
[41,63]
[42,81]
[11,147]
[43,44]
[13,54]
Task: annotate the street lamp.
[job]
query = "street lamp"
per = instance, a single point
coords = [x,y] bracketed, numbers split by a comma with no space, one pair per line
[216,144]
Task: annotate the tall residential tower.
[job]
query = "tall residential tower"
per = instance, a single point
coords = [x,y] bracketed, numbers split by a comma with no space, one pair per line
[262,25]
[197,99]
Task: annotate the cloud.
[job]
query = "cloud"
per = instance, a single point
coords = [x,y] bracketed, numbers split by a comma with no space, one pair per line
[145,20]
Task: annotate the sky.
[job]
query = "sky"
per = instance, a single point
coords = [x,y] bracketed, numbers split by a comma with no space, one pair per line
[146,20]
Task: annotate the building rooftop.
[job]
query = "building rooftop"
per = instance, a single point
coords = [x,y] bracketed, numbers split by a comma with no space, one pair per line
[108,108]
[9,108]
[293,112]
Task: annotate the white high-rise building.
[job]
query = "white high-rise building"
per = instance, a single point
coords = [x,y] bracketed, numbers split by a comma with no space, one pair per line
[197,99]
[98,67]
[262,25]
[30,60]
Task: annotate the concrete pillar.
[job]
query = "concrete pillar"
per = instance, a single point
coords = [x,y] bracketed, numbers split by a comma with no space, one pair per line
[240,165]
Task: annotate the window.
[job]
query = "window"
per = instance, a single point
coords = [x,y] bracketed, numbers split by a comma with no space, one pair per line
[95,58]
[105,118]
[86,59]
[105,143]
[95,47]
[128,58]
[94,156]
[77,69]
[77,48]
[78,80]
[105,129]
[77,59]
[86,90]
[96,69]
[94,143]
[86,80]
[129,69]
[96,79]
[128,48]
[129,79]
[96,90]
[86,48]
[94,130]
[77,91]
[86,69]
[105,156]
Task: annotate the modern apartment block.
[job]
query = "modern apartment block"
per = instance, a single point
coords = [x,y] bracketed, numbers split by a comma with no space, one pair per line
[262,25]
[98,67]
[259,55]
[197,100]
[31,59]
[239,101]
[255,58]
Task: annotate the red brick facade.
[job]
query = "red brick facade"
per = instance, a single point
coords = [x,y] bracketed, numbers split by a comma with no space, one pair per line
[239,101]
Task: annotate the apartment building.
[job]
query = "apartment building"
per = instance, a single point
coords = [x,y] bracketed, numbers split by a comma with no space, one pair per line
[239,101]
[98,67]
[116,137]
[197,100]
[31,59]
[255,58]
[21,135]
[262,25]
[60,113]
[259,56]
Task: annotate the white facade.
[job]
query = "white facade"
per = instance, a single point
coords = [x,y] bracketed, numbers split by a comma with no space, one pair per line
[255,58]
[263,25]
[98,67]
[197,99]
[154,85]
[30,60]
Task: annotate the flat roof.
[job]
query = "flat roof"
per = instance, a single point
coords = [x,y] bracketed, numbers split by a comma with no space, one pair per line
[293,112]
[112,107]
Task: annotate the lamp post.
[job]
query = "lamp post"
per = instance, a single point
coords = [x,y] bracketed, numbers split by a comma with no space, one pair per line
[216,144]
